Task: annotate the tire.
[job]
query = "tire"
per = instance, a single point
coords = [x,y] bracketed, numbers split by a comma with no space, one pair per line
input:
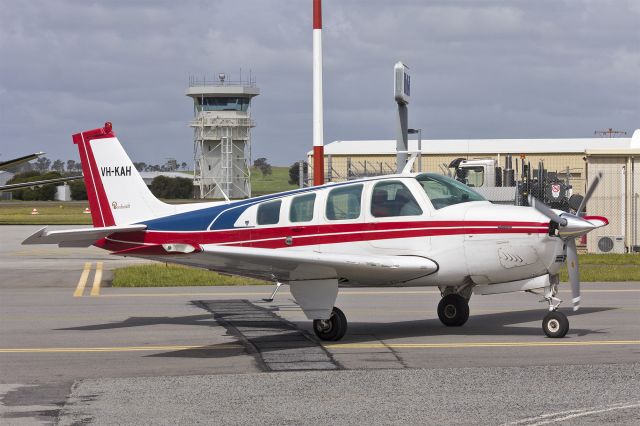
[453,310]
[555,325]
[332,329]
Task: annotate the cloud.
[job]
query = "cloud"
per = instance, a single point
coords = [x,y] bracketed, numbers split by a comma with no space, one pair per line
[479,69]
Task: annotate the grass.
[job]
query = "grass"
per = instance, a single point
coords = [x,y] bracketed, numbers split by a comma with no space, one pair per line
[159,275]
[593,267]
[278,181]
[50,213]
[606,267]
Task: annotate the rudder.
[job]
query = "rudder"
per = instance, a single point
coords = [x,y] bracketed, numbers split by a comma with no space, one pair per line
[116,192]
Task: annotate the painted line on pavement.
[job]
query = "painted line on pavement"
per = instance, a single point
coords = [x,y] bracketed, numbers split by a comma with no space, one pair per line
[479,344]
[342,293]
[329,346]
[121,349]
[97,279]
[83,280]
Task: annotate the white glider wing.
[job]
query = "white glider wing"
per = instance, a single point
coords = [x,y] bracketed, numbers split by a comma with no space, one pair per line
[78,237]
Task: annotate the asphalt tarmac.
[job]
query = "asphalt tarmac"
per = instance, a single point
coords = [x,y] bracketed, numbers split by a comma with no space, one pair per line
[222,355]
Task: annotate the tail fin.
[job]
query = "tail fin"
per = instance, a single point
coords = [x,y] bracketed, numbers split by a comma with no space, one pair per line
[117,194]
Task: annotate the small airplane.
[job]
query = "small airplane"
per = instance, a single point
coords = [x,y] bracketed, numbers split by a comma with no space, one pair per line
[396,230]
[20,160]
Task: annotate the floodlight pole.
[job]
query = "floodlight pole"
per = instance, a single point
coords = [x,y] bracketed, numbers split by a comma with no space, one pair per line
[402,89]
[419,132]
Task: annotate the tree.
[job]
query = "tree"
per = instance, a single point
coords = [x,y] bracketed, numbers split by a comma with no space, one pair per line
[171,188]
[39,193]
[43,163]
[172,165]
[58,166]
[183,166]
[71,165]
[294,172]
[140,166]
[263,165]
[78,189]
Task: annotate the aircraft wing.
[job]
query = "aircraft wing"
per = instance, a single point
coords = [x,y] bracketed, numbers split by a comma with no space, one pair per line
[83,237]
[13,186]
[288,264]
[19,160]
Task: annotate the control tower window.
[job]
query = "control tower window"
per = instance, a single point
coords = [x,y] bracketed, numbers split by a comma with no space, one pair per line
[223,104]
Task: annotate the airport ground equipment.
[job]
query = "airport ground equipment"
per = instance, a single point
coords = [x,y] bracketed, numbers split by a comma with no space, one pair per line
[508,186]
[222,135]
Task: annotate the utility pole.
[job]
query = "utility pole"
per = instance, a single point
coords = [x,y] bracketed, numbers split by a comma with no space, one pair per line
[610,132]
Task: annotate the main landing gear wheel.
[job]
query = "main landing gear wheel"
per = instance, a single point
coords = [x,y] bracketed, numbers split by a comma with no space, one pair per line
[453,310]
[555,324]
[331,329]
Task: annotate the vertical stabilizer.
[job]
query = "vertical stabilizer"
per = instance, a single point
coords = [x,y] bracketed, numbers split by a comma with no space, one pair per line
[116,192]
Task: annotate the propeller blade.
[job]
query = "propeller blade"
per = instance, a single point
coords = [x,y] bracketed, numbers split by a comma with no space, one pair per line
[574,272]
[589,193]
[545,210]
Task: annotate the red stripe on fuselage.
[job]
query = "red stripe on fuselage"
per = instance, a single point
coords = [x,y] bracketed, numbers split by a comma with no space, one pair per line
[324,234]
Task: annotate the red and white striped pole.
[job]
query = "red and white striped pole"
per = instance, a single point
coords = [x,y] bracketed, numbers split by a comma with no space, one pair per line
[318,137]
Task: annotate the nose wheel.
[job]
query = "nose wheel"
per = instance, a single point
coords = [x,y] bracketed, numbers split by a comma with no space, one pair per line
[331,329]
[555,324]
[453,310]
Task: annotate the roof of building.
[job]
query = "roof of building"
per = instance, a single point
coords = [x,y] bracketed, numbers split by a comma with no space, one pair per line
[487,146]
[149,176]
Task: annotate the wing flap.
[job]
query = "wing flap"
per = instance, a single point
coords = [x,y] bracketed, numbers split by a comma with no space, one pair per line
[83,237]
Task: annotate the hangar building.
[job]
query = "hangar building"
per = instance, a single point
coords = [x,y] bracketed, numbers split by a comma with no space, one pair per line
[617,196]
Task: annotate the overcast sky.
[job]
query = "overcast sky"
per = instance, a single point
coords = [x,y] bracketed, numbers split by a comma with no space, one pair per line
[479,69]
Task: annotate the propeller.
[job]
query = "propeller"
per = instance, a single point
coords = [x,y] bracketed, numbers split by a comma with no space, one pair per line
[569,228]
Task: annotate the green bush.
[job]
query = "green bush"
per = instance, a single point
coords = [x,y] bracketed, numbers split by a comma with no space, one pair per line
[171,188]
[37,193]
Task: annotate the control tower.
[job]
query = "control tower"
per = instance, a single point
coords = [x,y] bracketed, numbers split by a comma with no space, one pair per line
[222,135]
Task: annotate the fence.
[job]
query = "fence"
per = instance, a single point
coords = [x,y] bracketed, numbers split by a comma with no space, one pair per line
[617,197]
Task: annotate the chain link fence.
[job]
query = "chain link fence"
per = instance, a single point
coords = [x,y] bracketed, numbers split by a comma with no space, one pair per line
[550,178]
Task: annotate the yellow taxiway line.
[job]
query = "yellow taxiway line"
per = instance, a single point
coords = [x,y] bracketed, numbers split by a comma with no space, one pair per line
[97,279]
[355,346]
[83,280]
[480,344]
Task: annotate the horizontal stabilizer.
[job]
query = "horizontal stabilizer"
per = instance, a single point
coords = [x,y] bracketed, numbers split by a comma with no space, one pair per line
[78,237]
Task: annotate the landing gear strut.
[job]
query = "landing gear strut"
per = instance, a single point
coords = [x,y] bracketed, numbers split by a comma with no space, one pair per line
[331,329]
[453,310]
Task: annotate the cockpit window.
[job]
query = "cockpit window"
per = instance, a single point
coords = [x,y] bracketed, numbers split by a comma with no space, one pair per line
[392,198]
[444,191]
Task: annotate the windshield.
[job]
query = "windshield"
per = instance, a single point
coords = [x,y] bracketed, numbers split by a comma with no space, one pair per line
[444,191]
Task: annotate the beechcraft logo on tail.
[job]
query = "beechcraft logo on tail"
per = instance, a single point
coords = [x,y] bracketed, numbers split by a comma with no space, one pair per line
[116,171]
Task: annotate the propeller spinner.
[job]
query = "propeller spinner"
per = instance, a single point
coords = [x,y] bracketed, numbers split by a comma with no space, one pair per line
[569,227]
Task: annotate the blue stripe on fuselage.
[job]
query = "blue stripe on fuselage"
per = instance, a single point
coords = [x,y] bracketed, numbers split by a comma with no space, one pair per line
[226,215]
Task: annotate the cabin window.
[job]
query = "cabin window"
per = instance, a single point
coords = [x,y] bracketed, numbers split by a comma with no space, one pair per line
[444,191]
[393,198]
[344,203]
[302,208]
[269,213]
